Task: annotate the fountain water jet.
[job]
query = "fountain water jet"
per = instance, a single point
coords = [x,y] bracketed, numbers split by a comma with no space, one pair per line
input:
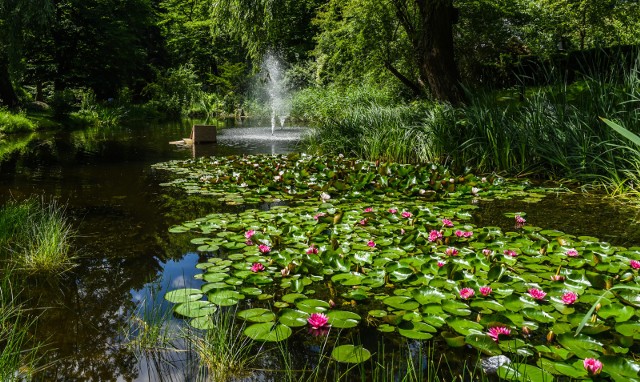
[277,89]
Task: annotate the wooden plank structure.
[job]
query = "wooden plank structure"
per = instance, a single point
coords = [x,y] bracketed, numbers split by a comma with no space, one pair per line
[203,134]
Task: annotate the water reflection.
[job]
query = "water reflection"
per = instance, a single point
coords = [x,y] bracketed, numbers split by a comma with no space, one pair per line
[122,215]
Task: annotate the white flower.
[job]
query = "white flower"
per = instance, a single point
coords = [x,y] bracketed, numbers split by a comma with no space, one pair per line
[422,191]
[324,196]
[243,184]
[475,190]
[483,180]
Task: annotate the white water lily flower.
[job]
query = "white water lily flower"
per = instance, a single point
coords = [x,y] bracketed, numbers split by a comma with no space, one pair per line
[324,196]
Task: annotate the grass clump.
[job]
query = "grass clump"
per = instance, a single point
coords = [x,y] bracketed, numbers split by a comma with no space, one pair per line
[15,123]
[36,237]
[16,360]
[222,350]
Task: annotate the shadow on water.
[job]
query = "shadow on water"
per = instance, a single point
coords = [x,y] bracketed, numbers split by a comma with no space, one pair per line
[113,196]
[104,176]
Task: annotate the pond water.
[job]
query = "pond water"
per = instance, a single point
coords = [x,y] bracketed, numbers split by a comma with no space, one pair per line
[126,255]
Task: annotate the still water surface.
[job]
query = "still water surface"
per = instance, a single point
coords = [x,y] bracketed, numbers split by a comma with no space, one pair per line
[104,177]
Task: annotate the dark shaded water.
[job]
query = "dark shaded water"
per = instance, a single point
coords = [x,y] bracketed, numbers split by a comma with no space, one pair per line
[105,178]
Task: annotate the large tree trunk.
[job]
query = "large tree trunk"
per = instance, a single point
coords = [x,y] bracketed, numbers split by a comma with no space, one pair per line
[429,25]
[434,45]
[8,95]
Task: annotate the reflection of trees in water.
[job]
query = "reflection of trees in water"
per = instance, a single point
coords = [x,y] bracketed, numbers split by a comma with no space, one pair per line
[85,313]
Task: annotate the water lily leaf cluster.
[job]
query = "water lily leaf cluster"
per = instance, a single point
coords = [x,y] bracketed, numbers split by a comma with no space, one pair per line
[424,271]
[263,178]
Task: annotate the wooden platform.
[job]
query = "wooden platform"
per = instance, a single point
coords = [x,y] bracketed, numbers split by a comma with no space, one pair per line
[203,134]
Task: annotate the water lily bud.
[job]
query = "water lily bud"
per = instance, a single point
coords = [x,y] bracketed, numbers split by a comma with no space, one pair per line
[526,331]
[598,307]
[551,336]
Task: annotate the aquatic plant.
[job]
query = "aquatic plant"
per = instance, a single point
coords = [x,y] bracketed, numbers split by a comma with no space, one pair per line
[17,358]
[409,285]
[37,236]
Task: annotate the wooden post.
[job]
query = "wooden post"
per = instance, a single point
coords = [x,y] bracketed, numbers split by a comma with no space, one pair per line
[203,134]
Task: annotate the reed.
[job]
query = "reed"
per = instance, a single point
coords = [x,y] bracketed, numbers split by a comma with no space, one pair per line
[554,132]
[17,360]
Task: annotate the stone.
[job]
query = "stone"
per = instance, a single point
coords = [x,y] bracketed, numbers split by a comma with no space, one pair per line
[490,365]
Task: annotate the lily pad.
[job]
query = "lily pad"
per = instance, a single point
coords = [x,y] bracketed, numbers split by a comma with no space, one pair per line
[268,332]
[350,354]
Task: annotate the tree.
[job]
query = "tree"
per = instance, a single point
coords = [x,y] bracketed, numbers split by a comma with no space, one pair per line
[17,18]
[412,39]
[429,27]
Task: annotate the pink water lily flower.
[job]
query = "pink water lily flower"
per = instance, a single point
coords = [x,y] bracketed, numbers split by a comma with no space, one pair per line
[520,220]
[285,272]
[459,233]
[319,215]
[364,221]
[635,264]
[312,250]
[249,233]
[368,209]
[319,324]
[592,365]
[466,293]
[510,252]
[264,248]
[569,298]
[467,234]
[406,214]
[487,252]
[434,235]
[257,267]
[371,244]
[393,211]
[557,278]
[450,251]
[496,331]
[447,223]
[572,252]
[486,290]
[537,294]
[441,264]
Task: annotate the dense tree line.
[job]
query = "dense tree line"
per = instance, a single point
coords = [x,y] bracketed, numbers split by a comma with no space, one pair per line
[426,48]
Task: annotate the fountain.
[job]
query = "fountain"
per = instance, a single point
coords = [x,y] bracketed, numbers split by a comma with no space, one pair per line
[277,90]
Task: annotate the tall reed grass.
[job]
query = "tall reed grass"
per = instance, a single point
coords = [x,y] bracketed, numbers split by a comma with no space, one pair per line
[17,360]
[554,132]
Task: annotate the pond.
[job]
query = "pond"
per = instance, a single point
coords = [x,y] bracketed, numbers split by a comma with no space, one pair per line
[126,254]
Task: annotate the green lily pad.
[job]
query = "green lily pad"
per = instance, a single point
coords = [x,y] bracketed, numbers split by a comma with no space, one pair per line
[343,319]
[183,295]
[194,309]
[268,332]
[401,302]
[522,372]
[293,318]
[225,297]
[350,354]
[416,330]
[483,342]
[257,315]
[312,306]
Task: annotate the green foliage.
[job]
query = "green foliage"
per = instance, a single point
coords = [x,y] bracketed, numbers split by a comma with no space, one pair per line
[36,237]
[15,123]
[175,91]
[16,360]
